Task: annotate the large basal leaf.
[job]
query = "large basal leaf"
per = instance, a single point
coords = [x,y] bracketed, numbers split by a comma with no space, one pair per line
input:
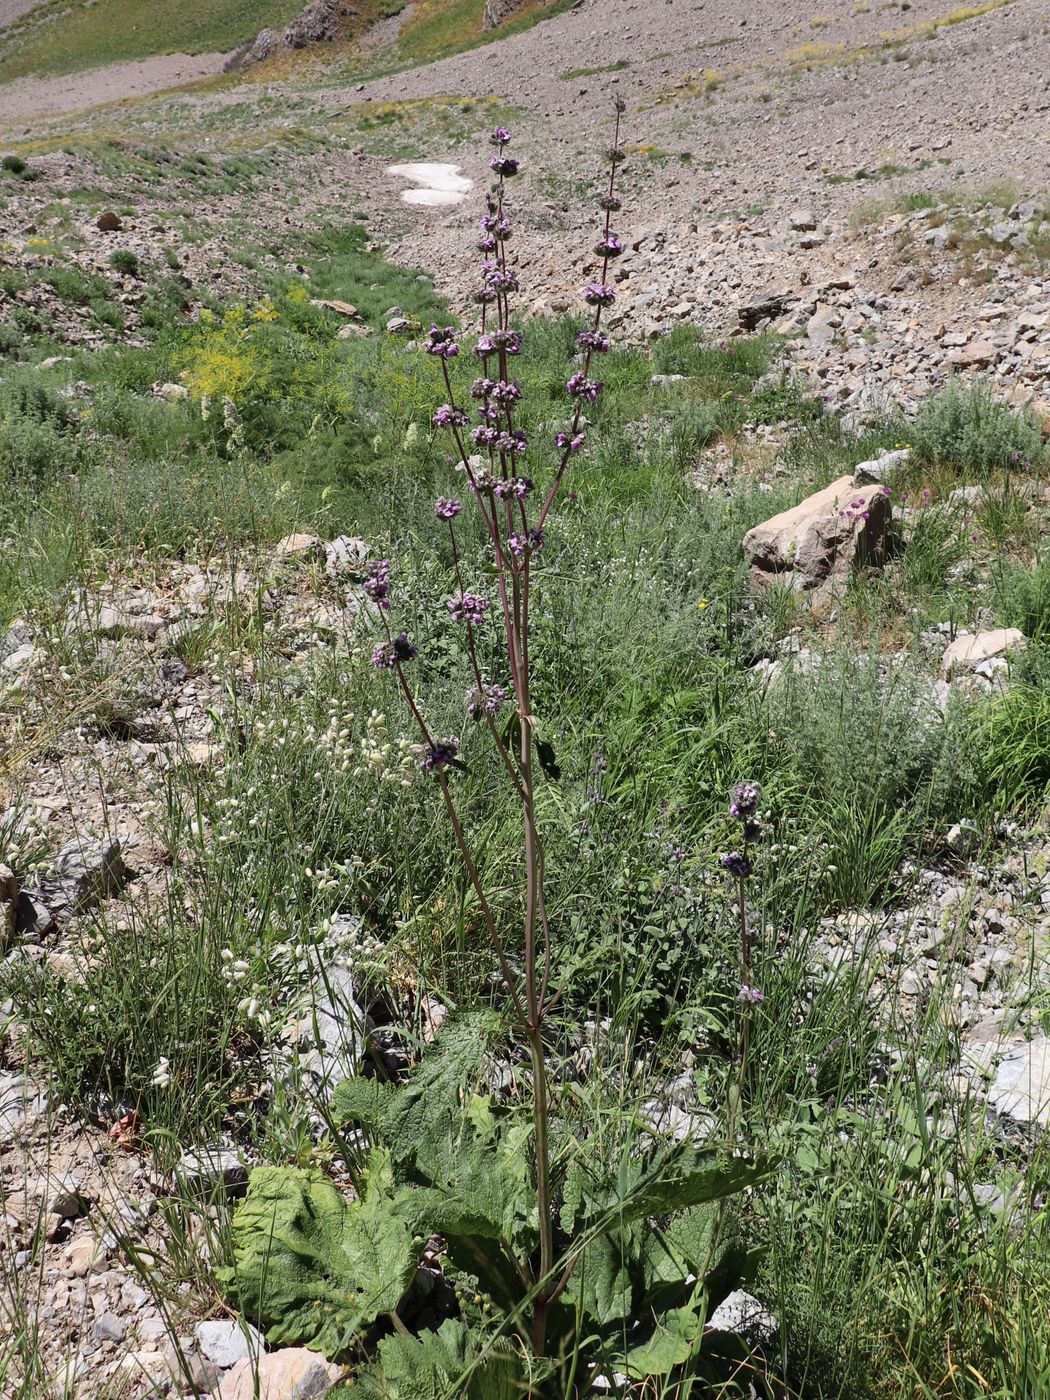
[422,1123]
[438,1365]
[692,1178]
[311,1266]
[672,1339]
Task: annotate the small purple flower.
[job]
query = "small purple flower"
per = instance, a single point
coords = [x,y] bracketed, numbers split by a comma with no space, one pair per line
[580,387]
[484,296]
[482,388]
[504,166]
[516,487]
[438,753]
[515,442]
[737,864]
[376,582]
[447,509]
[442,341]
[468,607]
[505,394]
[500,281]
[510,341]
[573,442]
[750,996]
[533,540]
[393,653]
[484,436]
[488,700]
[593,341]
[500,136]
[744,799]
[487,244]
[609,247]
[597,294]
[485,345]
[449,416]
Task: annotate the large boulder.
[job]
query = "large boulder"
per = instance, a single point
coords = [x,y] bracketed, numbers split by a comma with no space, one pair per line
[814,546]
[319,23]
[496,11]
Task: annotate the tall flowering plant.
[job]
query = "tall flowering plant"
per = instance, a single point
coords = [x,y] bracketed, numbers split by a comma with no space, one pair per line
[578,1255]
[514,510]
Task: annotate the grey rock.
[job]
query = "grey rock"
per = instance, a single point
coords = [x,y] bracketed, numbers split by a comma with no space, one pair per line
[205,1170]
[329,1024]
[343,553]
[226,1342]
[766,306]
[1021,1088]
[84,874]
[745,1317]
[19,1100]
[108,1328]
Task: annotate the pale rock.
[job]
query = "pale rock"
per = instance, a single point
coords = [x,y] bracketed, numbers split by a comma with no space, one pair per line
[1021,1087]
[814,546]
[343,553]
[225,1342]
[970,651]
[299,547]
[290,1374]
[973,356]
[745,1317]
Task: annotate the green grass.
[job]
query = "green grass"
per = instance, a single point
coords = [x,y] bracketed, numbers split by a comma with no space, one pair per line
[59,37]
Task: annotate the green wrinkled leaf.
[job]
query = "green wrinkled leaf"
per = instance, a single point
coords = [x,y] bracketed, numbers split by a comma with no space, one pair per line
[422,1122]
[312,1267]
[437,1365]
[675,1338]
[691,1178]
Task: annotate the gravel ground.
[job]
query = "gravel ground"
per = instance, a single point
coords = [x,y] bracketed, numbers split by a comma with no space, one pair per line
[50,97]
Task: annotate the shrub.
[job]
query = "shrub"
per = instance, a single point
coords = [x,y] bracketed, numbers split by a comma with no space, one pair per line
[1025,598]
[966,431]
[125,262]
[14,165]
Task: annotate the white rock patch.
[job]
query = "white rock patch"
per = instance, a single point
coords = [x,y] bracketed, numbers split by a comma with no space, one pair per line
[438,184]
